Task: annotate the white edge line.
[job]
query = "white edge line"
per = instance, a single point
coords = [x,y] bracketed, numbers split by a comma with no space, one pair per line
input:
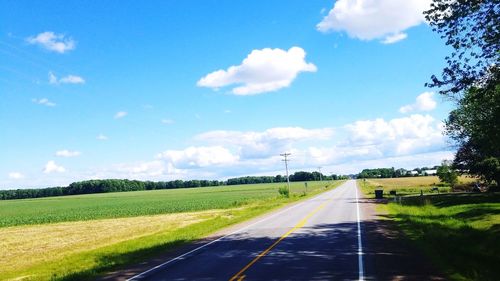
[220,238]
[361,270]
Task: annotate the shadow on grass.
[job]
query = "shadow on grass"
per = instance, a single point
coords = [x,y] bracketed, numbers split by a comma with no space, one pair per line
[318,252]
[452,199]
[106,263]
[328,252]
[464,252]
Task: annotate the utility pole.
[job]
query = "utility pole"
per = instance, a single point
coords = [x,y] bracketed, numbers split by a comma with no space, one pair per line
[319,169]
[285,155]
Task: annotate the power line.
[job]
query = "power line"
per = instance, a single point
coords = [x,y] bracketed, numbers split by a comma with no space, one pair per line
[319,169]
[285,155]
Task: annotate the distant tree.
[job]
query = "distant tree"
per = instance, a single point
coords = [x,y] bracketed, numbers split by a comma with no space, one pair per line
[377,173]
[447,174]
[279,178]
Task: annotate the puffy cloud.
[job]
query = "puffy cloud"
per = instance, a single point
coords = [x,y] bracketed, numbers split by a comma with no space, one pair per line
[16,175]
[53,42]
[44,101]
[424,102]
[201,156]
[120,114]
[262,71]
[270,142]
[375,19]
[69,79]
[52,167]
[416,133]
[102,137]
[68,153]
[364,141]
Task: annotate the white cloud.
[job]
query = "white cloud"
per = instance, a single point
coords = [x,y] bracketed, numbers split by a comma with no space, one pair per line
[102,137]
[424,102]
[142,169]
[72,79]
[68,153]
[69,79]
[394,38]
[270,142]
[365,140]
[201,156]
[375,19]
[120,114]
[167,121]
[53,42]
[398,136]
[52,167]
[265,70]
[16,175]
[44,101]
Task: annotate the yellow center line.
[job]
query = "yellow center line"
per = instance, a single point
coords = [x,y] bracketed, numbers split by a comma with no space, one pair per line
[239,276]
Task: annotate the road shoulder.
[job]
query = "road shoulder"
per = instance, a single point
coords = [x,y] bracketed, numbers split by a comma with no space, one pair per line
[388,253]
[130,271]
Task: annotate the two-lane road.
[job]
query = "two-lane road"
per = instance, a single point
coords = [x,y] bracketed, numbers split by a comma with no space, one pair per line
[317,239]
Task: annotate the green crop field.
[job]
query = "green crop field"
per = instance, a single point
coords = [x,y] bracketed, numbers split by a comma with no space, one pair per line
[80,237]
[137,203]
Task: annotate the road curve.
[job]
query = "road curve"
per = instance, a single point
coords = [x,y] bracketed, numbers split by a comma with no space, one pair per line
[317,239]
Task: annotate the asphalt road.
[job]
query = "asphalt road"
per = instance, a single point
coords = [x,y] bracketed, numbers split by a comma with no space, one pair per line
[317,239]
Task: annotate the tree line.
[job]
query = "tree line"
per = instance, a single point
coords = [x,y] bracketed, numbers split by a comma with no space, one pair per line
[121,185]
[393,173]
[297,176]
[104,186]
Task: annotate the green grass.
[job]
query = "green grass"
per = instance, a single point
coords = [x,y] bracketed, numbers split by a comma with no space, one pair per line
[90,265]
[408,185]
[458,232]
[252,200]
[138,203]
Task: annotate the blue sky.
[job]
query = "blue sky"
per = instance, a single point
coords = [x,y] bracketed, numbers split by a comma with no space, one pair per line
[161,90]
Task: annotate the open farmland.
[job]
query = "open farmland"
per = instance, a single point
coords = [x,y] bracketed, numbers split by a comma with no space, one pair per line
[408,185]
[79,237]
[137,203]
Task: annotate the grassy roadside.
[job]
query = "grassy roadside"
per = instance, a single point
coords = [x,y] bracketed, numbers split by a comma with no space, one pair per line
[409,185]
[457,232]
[87,265]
